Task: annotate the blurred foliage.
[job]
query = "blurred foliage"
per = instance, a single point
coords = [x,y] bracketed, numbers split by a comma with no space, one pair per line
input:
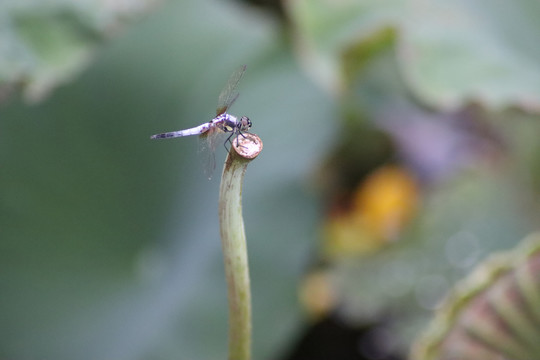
[449,53]
[47,43]
[451,86]
[110,244]
[491,314]
[401,149]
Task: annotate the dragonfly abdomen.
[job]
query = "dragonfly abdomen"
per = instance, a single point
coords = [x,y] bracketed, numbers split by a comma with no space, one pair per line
[198,130]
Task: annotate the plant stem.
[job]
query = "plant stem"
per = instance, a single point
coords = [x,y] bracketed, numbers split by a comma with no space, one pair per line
[233,239]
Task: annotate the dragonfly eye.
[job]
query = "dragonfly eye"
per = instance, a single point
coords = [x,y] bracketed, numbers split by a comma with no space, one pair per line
[245,122]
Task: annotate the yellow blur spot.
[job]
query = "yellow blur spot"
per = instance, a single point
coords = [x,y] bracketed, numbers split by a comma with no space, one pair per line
[381,207]
[317,294]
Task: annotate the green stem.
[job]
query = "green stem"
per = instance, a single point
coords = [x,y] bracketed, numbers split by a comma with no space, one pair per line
[233,239]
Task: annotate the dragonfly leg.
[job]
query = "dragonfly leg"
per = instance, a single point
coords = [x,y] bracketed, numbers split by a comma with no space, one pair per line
[228,141]
[244,136]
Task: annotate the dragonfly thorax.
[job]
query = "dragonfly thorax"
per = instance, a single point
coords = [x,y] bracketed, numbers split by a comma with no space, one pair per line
[230,123]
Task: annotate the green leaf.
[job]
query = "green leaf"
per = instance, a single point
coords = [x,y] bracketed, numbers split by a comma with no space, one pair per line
[45,44]
[449,53]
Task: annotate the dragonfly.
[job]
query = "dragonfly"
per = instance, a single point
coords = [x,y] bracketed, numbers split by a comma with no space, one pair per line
[210,132]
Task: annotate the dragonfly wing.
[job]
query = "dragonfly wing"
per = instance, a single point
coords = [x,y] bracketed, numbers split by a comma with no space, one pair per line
[229,94]
[207,148]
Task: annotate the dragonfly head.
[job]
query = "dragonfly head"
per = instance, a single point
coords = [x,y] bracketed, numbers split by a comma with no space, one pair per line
[245,123]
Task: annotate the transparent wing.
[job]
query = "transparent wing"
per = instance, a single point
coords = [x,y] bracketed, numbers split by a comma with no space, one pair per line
[229,94]
[207,149]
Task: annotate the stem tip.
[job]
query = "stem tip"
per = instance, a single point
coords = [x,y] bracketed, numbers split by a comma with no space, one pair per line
[248,146]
